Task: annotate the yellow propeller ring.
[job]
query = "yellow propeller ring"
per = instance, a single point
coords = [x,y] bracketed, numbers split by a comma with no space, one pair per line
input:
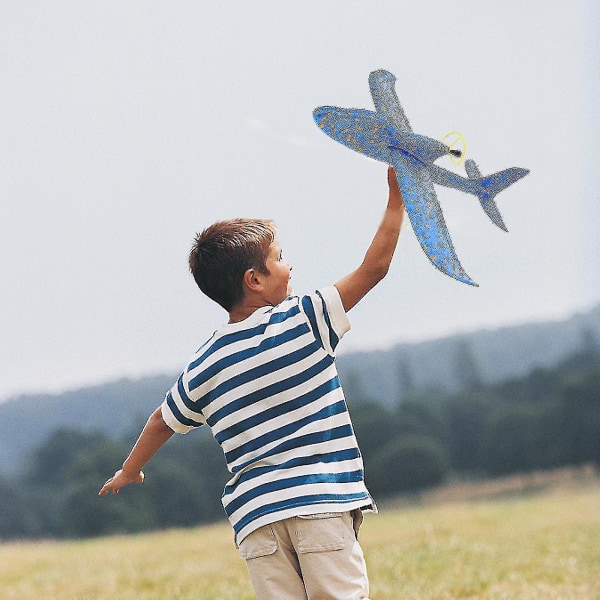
[456,141]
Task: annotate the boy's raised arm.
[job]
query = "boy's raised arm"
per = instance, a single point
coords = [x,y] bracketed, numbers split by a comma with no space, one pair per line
[377,260]
[155,433]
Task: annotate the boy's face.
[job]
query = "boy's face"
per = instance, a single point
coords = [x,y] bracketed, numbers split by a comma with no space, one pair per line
[276,284]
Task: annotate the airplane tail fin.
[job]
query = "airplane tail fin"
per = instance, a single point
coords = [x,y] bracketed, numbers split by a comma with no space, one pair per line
[491,185]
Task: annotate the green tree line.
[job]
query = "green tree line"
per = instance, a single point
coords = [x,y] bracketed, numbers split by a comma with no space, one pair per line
[550,418]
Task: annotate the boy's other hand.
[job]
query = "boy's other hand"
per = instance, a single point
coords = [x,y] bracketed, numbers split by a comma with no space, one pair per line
[120,479]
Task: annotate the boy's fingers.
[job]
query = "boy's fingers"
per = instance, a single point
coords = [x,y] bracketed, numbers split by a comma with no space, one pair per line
[115,486]
[104,489]
[391,176]
[108,485]
[393,183]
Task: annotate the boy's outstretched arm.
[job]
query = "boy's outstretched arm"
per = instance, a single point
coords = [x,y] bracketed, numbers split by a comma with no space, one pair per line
[377,260]
[155,433]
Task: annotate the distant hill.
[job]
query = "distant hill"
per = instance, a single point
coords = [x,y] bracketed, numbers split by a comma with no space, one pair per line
[445,365]
[118,408]
[452,363]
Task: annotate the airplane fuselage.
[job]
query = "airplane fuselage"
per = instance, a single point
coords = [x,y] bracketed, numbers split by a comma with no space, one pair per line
[369,133]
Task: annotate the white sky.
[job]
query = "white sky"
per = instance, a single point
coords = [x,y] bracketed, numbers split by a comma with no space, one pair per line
[126,126]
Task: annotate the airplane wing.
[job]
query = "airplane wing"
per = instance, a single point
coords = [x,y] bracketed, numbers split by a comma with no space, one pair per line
[386,101]
[359,129]
[425,214]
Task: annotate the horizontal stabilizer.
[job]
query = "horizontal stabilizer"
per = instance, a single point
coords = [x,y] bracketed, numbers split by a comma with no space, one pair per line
[491,185]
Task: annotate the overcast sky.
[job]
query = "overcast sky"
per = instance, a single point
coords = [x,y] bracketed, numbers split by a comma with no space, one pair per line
[127,126]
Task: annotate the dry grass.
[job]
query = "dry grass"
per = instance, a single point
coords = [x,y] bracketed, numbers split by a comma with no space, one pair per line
[538,547]
[542,546]
[177,564]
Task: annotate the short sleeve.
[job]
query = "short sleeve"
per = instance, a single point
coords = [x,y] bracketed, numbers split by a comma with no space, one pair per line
[327,317]
[177,410]
[338,316]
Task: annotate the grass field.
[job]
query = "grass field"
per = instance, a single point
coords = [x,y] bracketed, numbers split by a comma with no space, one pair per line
[543,545]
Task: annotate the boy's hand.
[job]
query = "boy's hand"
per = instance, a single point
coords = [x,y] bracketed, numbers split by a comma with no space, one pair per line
[120,479]
[393,184]
[391,175]
[153,436]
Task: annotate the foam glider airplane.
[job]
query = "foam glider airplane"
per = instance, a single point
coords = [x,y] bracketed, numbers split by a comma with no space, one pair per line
[386,135]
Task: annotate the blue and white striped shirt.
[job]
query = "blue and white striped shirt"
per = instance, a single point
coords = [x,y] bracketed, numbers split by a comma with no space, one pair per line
[268,388]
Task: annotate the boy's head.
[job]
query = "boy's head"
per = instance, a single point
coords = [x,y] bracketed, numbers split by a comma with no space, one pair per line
[223,252]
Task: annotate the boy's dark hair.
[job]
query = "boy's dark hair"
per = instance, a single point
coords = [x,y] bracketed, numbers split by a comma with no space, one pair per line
[223,252]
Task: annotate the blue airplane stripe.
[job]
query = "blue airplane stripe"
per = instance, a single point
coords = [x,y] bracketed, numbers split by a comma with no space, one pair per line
[290,482]
[245,334]
[284,431]
[309,500]
[275,411]
[307,440]
[414,161]
[300,461]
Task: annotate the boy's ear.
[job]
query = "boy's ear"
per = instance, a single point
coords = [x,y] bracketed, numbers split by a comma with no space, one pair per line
[252,280]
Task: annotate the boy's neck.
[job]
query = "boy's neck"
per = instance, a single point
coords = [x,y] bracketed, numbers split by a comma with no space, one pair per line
[244,310]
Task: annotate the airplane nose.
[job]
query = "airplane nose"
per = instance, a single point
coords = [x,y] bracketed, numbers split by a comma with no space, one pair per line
[321,113]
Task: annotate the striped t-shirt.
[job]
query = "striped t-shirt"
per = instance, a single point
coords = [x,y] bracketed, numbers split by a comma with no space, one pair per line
[269,390]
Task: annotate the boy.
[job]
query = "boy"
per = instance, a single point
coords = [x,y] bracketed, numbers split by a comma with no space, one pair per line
[267,386]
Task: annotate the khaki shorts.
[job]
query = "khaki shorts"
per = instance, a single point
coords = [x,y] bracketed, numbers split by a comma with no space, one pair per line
[314,557]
